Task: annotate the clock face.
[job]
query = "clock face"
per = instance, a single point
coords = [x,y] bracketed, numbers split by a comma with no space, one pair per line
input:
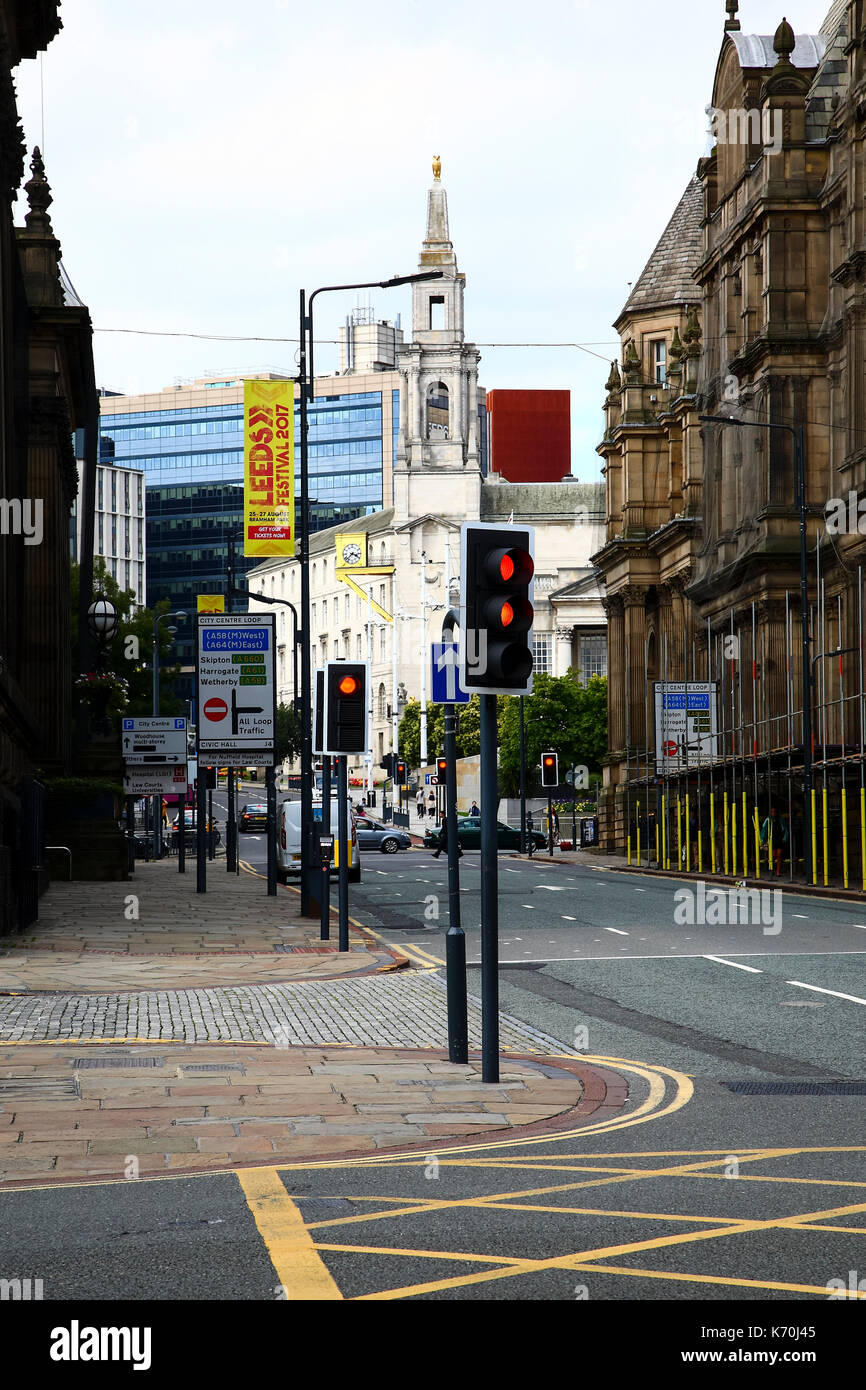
[351,553]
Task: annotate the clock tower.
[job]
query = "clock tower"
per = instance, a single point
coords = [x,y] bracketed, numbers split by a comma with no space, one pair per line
[437,467]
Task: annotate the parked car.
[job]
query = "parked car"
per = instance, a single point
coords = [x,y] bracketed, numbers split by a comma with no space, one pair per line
[289,840]
[190,822]
[469,835]
[373,834]
[253,816]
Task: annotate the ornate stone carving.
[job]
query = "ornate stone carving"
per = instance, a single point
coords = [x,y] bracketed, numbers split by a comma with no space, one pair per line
[12,146]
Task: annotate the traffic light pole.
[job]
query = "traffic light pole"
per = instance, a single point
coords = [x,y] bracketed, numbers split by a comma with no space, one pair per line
[489,895]
[201,831]
[271,798]
[325,893]
[231,825]
[181,833]
[550,826]
[211,848]
[522,775]
[455,939]
[343,832]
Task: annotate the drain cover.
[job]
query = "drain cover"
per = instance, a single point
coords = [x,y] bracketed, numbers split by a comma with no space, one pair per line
[39,1088]
[84,1063]
[796,1088]
[213,1066]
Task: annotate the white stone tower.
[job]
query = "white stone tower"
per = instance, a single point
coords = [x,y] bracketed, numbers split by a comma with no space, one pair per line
[437,468]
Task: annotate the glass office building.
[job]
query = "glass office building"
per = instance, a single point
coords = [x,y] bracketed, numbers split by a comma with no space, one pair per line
[188,442]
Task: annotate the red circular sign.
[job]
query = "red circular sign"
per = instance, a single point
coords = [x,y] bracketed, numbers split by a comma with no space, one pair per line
[670,748]
[215,709]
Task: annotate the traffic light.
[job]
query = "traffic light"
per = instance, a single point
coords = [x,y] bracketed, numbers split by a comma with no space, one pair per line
[399,772]
[319,710]
[442,771]
[211,778]
[549,770]
[345,722]
[496,610]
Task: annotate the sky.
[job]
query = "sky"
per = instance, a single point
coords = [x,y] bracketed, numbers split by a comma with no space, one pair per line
[207,162]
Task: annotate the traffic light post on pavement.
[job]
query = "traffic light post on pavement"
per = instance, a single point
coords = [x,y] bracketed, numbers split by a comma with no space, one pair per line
[550,779]
[496,613]
[455,939]
[344,731]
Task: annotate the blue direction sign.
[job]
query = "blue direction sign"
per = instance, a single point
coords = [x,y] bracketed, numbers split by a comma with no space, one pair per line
[446,687]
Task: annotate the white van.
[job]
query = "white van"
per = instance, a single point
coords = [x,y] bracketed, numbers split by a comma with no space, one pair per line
[289,840]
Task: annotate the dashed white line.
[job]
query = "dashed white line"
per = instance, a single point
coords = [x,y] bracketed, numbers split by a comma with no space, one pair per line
[617,931]
[720,960]
[852,998]
[566,918]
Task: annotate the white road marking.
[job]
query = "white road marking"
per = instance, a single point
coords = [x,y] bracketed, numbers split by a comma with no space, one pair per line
[852,998]
[720,960]
[566,918]
[617,931]
[529,905]
[640,890]
[510,871]
[551,888]
[801,915]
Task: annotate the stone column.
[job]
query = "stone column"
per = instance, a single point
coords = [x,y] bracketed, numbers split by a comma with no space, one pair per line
[564,648]
[615,611]
[634,600]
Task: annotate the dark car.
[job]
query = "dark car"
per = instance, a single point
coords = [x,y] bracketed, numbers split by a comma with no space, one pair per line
[372,834]
[469,835]
[253,816]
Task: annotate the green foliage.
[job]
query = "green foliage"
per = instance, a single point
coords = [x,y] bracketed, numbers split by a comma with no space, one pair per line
[81,788]
[132,646]
[468,734]
[288,740]
[560,715]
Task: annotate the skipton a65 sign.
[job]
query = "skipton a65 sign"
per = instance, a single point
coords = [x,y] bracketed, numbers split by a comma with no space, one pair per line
[237,693]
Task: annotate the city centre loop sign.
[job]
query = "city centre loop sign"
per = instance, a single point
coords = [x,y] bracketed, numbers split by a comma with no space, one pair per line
[237,692]
[686,724]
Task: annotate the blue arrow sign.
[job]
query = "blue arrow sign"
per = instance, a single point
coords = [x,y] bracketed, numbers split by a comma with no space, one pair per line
[446,688]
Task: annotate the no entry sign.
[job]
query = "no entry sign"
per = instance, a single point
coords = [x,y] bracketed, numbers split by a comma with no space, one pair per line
[215,710]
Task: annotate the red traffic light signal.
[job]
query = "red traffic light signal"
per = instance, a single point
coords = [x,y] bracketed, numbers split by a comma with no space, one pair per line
[345,721]
[549,770]
[442,770]
[496,612]
[400,772]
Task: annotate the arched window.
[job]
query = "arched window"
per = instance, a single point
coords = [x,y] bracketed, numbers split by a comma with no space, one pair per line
[437,410]
[383,708]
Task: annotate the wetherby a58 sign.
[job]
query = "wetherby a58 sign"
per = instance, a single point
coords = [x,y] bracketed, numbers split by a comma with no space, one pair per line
[236,686]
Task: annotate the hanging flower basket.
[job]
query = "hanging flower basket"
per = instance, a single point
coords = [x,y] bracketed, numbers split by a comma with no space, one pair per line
[101,689]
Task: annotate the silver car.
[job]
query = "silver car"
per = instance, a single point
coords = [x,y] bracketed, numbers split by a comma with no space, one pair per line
[373,834]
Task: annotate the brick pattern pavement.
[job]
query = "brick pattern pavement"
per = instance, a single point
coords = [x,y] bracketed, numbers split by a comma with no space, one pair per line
[403,1010]
[217,1106]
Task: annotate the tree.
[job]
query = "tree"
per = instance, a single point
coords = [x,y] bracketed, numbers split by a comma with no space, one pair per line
[130,652]
[468,737]
[560,715]
[288,740]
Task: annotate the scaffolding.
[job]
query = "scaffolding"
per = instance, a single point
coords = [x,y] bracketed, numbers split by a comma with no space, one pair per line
[732,803]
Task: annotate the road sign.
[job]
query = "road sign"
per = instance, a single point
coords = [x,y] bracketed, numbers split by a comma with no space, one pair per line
[236,688]
[446,686]
[155,781]
[434,781]
[155,742]
[685,724]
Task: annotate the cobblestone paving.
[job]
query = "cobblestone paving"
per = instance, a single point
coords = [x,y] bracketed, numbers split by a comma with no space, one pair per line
[408,1010]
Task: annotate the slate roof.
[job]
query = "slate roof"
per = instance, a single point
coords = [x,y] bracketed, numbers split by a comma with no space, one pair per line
[831,79]
[757,51]
[667,275]
[837,12]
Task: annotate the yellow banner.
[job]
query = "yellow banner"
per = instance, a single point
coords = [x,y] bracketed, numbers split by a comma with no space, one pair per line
[211,603]
[269,468]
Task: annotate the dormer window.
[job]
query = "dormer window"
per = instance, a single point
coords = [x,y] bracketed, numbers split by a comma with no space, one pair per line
[659,349]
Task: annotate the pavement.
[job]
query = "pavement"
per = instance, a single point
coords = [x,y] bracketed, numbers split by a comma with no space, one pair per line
[148,1028]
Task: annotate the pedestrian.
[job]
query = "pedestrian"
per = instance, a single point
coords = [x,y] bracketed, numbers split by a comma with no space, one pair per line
[419,802]
[474,809]
[443,840]
[431,804]
[775,833]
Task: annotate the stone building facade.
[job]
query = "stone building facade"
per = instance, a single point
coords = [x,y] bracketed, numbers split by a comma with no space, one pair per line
[46,351]
[751,309]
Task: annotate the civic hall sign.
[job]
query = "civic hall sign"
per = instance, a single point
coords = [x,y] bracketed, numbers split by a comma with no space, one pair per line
[269,468]
[237,696]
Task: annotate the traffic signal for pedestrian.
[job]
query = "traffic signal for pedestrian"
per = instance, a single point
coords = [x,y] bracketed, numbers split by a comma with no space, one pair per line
[399,772]
[442,771]
[549,770]
[345,723]
[496,610]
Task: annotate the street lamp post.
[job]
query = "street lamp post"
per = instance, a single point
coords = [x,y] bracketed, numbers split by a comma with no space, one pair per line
[797,434]
[306,376]
[157,800]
